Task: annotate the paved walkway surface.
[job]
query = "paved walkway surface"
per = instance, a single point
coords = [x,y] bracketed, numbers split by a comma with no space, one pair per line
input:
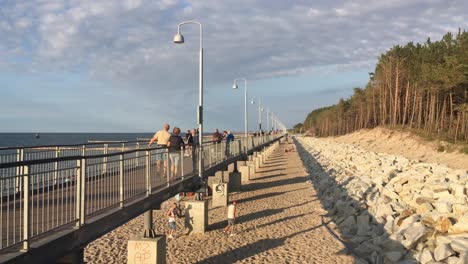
[279,221]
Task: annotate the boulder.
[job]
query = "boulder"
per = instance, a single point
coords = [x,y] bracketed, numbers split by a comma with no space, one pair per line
[348,226]
[413,234]
[460,227]
[442,252]
[363,225]
[392,256]
[443,207]
[459,244]
[425,256]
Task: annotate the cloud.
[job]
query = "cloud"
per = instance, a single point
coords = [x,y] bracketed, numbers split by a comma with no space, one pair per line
[128,43]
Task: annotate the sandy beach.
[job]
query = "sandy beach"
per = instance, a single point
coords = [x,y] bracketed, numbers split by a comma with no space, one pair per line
[279,221]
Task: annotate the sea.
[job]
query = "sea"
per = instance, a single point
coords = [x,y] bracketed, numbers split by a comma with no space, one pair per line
[45,139]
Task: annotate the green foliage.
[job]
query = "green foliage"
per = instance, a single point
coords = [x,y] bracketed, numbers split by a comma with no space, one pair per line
[416,86]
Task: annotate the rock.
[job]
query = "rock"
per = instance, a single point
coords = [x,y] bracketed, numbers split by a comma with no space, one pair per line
[459,244]
[408,221]
[460,209]
[423,199]
[460,227]
[442,252]
[366,248]
[348,226]
[363,225]
[458,190]
[404,215]
[392,256]
[425,256]
[443,224]
[344,208]
[443,207]
[453,260]
[413,233]
[424,208]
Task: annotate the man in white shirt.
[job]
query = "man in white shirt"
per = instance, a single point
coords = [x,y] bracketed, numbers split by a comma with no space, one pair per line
[161,137]
[231,217]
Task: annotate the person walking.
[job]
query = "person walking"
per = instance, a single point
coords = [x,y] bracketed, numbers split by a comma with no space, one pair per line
[229,139]
[189,137]
[171,215]
[217,137]
[175,144]
[231,217]
[162,138]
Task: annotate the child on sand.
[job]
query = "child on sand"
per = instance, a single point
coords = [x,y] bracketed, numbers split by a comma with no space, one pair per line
[172,214]
[231,216]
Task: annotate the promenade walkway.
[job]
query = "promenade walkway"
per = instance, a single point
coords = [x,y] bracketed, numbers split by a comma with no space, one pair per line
[279,221]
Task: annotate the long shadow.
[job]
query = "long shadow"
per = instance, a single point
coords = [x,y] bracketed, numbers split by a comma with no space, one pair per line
[366,245]
[262,185]
[246,218]
[265,171]
[268,177]
[258,197]
[249,250]
[273,164]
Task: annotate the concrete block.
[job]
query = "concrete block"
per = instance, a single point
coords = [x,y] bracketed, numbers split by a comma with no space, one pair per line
[147,250]
[245,173]
[252,169]
[220,194]
[235,182]
[257,163]
[196,216]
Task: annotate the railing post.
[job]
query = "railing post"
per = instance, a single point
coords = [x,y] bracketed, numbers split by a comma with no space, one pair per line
[209,153]
[19,169]
[79,168]
[57,153]
[182,162]
[148,172]
[26,212]
[82,192]
[104,160]
[121,181]
[168,167]
[83,150]
[137,155]
[123,147]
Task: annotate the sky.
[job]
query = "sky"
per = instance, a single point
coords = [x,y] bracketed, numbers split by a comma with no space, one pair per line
[111,66]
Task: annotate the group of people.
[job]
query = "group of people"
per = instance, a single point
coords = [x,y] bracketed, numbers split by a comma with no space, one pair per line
[174,144]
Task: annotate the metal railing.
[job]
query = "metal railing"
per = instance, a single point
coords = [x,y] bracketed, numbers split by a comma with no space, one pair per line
[65,185]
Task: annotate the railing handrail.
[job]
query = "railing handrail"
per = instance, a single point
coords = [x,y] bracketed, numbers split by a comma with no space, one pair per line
[76,157]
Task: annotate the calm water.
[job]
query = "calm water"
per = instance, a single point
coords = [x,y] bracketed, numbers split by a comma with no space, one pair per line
[29,139]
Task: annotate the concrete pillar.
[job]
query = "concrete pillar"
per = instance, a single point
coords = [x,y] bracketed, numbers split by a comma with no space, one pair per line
[220,195]
[245,173]
[196,216]
[220,176]
[147,250]
[235,182]
[74,257]
[257,163]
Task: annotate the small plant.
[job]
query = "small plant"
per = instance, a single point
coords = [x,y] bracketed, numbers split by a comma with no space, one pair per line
[441,148]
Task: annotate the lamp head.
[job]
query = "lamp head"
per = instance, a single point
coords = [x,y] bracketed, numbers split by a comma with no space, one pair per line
[178,38]
[234,86]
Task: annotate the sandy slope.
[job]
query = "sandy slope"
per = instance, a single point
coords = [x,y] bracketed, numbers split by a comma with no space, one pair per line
[404,144]
[279,222]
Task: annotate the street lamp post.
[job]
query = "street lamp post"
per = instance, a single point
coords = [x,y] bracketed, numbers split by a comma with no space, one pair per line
[246,126]
[179,39]
[260,110]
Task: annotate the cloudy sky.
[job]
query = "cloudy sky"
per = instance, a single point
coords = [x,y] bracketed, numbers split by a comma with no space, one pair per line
[111,66]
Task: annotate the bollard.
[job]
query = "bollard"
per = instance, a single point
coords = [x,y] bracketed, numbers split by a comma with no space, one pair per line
[220,195]
[147,250]
[244,170]
[235,182]
[196,216]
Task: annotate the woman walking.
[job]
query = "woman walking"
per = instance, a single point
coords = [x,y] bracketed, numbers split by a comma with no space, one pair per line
[175,144]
